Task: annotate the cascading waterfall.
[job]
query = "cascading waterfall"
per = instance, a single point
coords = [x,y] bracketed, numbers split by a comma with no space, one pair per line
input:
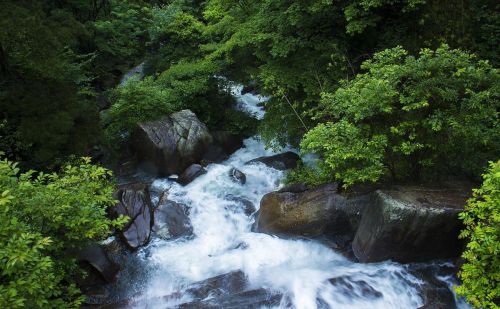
[302,272]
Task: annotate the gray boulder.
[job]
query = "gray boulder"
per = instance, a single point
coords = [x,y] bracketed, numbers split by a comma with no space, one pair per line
[169,145]
[191,173]
[135,202]
[313,212]
[411,224]
[171,220]
[282,161]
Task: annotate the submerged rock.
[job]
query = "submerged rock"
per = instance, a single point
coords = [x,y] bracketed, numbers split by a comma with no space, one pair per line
[252,299]
[135,202]
[229,283]
[229,291]
[313,212]
[171,220]
[247,206]
[282,161]
[411,223]
[355,288]
[191,173]
[169,145]
[237,176]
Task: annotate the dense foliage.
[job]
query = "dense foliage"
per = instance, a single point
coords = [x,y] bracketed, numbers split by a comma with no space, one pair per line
[44,218]
[296,50]
[375,89]
[481,273]
[181,73]
[410,117]
[55,58]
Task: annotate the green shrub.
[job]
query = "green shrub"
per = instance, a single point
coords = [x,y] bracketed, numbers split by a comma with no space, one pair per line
[135,102]
[44,218]
[411,118]
[481,272]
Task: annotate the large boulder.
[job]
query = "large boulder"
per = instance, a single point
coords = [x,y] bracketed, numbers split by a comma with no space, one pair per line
[282,161]
[171,220]
[411,224]
[169,145]
[135,202]
[191,173]
[313,212]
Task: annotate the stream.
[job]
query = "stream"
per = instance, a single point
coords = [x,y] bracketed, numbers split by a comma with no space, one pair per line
[258,270]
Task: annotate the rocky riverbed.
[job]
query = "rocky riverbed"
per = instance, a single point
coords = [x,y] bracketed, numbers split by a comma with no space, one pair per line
[227,234]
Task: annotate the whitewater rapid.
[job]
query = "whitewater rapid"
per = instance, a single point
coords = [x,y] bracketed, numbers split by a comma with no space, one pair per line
[223,242]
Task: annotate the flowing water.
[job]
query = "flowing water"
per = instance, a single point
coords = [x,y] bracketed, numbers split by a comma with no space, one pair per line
[297,270]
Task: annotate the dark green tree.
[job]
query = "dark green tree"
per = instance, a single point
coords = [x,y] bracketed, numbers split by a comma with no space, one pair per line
[411,118]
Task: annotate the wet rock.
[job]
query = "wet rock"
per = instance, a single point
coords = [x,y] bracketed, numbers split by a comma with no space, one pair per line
[313,212]
[97,258]
[435,293]
[282,161]
[191,173]
[237,176]
[135,202]
[227,141]
[171,220]
[229,283]
[117,251]
[169,145]
[229,291]
[441,298]
[248,206]
[251,299]
[96,296]
[411,223]
[214,154]
[355,288]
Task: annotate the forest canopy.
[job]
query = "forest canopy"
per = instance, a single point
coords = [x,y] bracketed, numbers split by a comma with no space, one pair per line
[376,90]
